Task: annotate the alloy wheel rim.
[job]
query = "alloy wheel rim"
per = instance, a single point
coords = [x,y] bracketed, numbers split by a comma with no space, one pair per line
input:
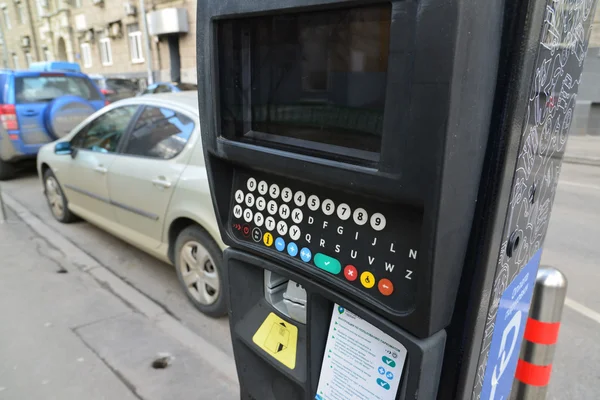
[54,196]
[199,273]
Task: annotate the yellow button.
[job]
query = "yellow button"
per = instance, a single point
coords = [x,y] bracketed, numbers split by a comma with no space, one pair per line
[268,239]
[367,279]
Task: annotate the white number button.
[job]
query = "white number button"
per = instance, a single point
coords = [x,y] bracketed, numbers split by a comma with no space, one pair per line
[260,203]
[284,211]
[313,202]
[299,198]
[251,184]
[263,187]
[328,207]
[272,207]
[239,196]
[259,219]
[237,211]
[286,194]
[294,232]
[343,211]
[377,221]
[360,216]
[249,199]
[247,215]
[274,191]
[282,228]
[270,223]
[297,215]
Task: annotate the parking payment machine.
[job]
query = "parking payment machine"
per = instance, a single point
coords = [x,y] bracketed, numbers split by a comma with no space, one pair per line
[345,144]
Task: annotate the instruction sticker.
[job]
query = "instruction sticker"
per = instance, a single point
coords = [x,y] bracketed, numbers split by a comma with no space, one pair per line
[279,339]
[361,362]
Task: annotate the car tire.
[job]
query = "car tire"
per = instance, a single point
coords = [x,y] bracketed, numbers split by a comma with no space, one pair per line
[7,171]
[56,199]
[199,266]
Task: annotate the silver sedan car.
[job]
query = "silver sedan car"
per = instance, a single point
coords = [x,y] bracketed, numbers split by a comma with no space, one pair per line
[136,169]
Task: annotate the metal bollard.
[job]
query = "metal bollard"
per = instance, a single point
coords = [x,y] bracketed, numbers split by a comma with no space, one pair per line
[541,333]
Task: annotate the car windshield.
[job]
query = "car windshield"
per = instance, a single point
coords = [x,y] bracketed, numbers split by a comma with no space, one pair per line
[36,89]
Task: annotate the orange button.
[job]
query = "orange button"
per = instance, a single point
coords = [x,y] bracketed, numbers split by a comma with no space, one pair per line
[385,286]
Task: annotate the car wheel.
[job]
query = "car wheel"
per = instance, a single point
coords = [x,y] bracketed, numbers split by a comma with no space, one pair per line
[198,261]
[56,199]
[7,171]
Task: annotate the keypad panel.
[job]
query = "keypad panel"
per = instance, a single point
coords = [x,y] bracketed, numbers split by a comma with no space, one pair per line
[359,242]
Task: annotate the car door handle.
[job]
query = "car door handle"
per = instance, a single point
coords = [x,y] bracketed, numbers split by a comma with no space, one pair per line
[101,169]
[30,113]
[161,182]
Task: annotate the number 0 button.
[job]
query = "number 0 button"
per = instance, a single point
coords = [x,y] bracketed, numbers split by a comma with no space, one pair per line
[251,184]
[328,207]
[377,221]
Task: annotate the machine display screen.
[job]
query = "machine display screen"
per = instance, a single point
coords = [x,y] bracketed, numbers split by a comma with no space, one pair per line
[312,80]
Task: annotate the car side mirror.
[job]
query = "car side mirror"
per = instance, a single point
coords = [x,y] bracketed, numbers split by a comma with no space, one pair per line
[63,148]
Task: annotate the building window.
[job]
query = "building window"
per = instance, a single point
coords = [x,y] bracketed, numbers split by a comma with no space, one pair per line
[105,51]
[135,43]
[48,55]
[86,55]
[40,5]
[15,58]
[21,14]
[7,23]
[28,59]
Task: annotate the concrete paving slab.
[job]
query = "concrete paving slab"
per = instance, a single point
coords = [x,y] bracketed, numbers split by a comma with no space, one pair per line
[130,344]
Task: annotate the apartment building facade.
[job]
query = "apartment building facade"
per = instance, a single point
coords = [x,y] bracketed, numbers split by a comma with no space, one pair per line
[106,37]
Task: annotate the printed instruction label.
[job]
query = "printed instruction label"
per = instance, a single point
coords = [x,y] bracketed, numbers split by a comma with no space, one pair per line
[361,362]
[279,339]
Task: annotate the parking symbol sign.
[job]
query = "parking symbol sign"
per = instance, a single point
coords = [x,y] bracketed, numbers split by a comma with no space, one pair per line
[508,333]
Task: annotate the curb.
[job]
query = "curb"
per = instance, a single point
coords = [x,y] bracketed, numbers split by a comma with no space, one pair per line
[594,161]
[219,360]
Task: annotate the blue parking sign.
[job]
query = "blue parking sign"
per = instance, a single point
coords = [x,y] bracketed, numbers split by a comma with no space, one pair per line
[508,333]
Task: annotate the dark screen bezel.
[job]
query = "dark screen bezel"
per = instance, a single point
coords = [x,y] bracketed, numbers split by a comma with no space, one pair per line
[322,150]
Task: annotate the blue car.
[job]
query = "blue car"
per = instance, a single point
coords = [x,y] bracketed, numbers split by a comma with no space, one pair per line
[39,106]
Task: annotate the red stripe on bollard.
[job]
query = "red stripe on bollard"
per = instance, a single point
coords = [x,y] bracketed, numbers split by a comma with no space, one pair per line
[541,332]
[534,375]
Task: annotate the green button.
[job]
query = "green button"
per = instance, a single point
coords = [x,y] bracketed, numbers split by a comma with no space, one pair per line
[383,384]
[327,263]
[388,361]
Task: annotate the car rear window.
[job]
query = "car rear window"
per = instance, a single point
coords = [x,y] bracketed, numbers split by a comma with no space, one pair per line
[38,89]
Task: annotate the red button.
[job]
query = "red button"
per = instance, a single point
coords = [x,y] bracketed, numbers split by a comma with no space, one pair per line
[386,287]
[246,230]
[350,273]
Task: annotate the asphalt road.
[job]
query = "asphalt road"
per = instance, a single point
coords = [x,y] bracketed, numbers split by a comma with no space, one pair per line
[572,244]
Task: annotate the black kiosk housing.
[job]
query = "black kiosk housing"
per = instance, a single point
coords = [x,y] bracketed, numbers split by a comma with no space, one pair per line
[429,115]
[345,143]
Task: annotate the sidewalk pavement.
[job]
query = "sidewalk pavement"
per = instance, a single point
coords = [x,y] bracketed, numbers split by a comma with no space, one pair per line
[583,149]
[65,334]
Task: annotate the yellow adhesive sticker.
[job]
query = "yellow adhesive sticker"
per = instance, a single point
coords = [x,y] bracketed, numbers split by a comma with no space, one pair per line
[279,339]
